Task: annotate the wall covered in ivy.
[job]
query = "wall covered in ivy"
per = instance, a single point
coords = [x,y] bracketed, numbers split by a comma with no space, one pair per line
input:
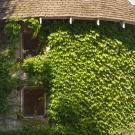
[90,75]
[6,81]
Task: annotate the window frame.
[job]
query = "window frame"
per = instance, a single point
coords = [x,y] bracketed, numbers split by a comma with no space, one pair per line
[22,102]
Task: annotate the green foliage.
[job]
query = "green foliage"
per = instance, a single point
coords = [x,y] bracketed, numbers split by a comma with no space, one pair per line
[7,83]
[91,74]
[25,132]
[15,25]
[128,131]
[58,130]
[42,38]
[39,70]
[13,29]
[33,25]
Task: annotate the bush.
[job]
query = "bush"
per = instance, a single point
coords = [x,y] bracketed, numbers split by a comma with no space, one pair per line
[92,73]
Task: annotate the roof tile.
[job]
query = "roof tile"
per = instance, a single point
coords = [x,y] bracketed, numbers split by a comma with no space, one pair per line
[116,10]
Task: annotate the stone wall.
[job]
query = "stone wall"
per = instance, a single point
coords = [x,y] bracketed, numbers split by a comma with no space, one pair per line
[9,120]
[13,119]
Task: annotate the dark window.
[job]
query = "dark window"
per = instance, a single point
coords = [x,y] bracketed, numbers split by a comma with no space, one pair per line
[3,37]
[33,102]
[30,44]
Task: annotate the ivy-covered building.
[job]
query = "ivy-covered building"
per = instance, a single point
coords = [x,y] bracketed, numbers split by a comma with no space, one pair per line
[29,101]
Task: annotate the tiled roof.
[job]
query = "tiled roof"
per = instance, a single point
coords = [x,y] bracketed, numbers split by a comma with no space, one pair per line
[115,10]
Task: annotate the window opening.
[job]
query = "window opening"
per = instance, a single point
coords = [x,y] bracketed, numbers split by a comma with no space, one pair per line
[33,101]
[29,44]
[3,36]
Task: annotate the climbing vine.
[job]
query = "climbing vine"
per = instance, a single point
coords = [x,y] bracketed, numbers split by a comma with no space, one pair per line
[90,76]
[13,28]
[16,25]
[7,82]
[89,73]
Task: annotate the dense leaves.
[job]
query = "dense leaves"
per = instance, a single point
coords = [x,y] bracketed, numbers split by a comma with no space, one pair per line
[7,83]
[92,76]
[15,25]
[13,28]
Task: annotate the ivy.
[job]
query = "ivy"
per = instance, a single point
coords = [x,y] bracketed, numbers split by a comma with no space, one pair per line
[15,25]
[7,83]
[13,29]
[39,72]
[33,25]
[91,76]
